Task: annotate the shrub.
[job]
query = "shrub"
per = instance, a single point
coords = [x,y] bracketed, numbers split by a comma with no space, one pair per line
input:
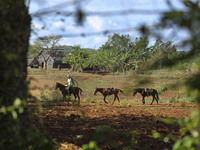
[173,100]
[162,89]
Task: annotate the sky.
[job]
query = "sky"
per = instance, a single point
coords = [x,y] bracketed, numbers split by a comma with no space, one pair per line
[125,22]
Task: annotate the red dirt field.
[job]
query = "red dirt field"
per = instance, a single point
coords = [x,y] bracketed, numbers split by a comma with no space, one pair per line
[73,125]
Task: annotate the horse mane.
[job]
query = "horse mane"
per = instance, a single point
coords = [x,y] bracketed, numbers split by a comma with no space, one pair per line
[99,89]
[141,89]
[60,84]
[138,89]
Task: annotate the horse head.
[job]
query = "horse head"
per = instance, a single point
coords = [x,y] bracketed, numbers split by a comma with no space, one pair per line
[134,92]
[95,91]
[59,86]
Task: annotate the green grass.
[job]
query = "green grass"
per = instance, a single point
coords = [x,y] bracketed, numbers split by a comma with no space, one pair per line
[162,80]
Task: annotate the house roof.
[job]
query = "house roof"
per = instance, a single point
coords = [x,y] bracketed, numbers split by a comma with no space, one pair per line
[56,55]
[29,60]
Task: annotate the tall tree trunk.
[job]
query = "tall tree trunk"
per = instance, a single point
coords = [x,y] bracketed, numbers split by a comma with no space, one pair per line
[14,41]
[46,59]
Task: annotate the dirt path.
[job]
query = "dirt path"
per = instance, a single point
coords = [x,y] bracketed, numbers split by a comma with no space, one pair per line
[132,125]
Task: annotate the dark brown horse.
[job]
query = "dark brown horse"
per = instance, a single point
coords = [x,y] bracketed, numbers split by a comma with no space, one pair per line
[105,92]
[75,91]
[147,92]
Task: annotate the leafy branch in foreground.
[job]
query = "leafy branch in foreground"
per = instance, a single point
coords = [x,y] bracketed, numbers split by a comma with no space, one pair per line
[187,20]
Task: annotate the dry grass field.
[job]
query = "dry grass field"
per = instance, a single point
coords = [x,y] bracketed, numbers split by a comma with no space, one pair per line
[127,124]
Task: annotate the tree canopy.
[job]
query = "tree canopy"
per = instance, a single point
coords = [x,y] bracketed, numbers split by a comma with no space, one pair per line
[120,54]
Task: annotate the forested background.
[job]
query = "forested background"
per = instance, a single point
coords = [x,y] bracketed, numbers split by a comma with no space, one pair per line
[119,54]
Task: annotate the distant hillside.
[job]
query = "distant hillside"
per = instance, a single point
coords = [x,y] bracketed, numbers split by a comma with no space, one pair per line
[65,47]
[68,48]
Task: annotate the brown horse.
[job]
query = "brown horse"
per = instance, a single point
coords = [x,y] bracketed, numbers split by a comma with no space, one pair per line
[75,91]
[105,92]
[147,92]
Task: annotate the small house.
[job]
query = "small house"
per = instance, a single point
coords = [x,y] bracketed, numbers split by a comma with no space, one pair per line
[53,59]
[33,62]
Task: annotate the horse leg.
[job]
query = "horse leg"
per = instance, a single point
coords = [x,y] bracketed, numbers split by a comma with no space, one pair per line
[118,99]
[114,99]
[79,101]
[156,101]
[74,98]
[143,100]
[105,100]
[152,100]
[64,99]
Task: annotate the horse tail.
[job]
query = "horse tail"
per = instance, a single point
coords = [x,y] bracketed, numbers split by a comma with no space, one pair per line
[80,91]
[157,95]
[121,91]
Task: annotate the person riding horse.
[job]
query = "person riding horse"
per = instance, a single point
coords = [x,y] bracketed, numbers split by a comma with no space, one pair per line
[70,84]
[76,91]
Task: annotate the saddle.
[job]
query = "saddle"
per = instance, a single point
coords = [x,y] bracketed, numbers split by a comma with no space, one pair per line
[148,91]
[69,89]
[110,90]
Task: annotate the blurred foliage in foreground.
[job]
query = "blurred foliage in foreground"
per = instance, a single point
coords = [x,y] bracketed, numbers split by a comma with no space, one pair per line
[187,20]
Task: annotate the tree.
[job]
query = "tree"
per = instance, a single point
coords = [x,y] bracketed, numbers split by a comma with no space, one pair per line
[140,48]
[119,42]
[48,44]
[162,53]
[14,43]
[34,49]
[78,58]
[115,51]
[126,54]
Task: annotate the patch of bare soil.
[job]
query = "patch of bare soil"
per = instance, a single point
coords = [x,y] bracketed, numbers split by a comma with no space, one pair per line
[74,126]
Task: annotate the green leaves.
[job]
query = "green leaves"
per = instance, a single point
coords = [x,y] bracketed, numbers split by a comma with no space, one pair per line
[91,146]
[49,42]
[17,107]
[156,134]
[34,49]
[79,58]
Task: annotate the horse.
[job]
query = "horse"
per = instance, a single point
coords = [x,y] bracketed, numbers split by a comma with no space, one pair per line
[148,92]
[75,91]
[105,92]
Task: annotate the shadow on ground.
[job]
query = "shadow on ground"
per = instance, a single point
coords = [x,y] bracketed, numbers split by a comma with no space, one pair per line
[126,126]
